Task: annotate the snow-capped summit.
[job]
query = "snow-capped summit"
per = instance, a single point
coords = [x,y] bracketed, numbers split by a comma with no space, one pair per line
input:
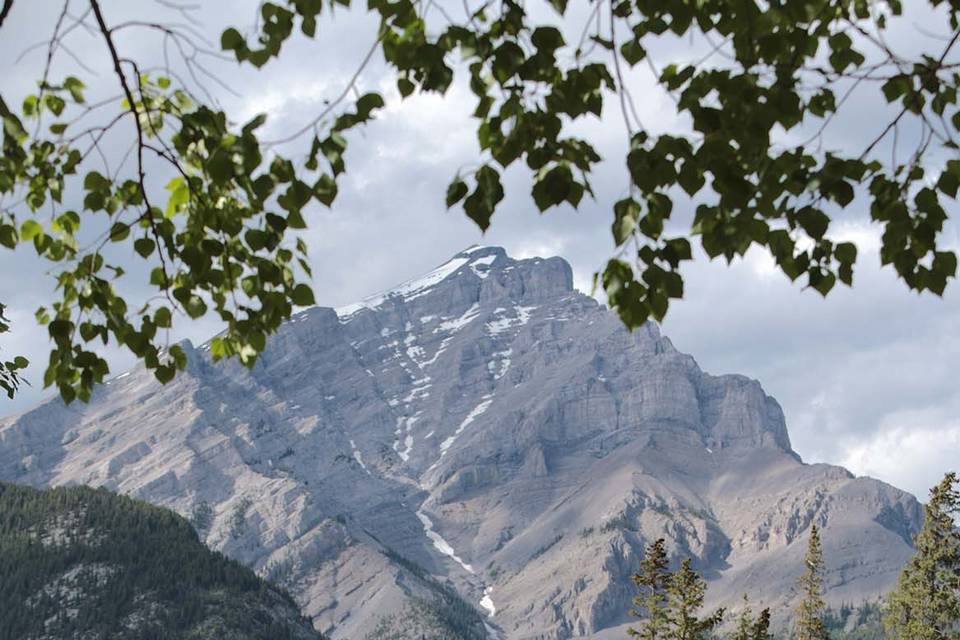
[480,261]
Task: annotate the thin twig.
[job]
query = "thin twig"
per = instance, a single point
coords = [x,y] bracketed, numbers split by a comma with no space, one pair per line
[141,171]
[5,10]
[616,65]
[333,104]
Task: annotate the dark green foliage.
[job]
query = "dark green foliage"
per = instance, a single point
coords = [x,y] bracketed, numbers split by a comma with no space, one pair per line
[238,518]
[761,627]
[618,522]
[202,516]
[219,237]
[430,618]
[784,65]
[864,622]
[669,603]
[546,547]
[926,602]
[750,627]
[685,600]
[650,604]
[128,570]
[445,614]
[9,378]
[809,616]
[222,238]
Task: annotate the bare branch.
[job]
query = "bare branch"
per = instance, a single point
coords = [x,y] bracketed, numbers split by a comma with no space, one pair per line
[5,10]
[333,104]
[141,171]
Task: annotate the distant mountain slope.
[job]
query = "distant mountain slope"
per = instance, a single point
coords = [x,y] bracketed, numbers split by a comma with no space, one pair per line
[85,563]
[486,427]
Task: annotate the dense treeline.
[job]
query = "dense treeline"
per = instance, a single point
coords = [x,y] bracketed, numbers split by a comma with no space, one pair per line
[924,606]
[87,561]
[83,562]
[443,615]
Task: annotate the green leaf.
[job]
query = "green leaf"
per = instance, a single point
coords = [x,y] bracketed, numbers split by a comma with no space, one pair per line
[367,103]
[325,189]
[553,188]
[8,236]
[162,318]
[456,192]
[55,103]
[632,52]
[480,205]
[813,221]
[219,166]
[30,104]
[164,373]
[94,181]
[896,87]
[75,86]
[846,252]
[119,232]
[302,295]
[195,306]
[231,40]
[626,212]
[405,87]
[179,195]
[547,39]
[144,246]
[30,229]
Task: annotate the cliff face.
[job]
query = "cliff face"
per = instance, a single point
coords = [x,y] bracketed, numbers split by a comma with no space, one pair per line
[486,425]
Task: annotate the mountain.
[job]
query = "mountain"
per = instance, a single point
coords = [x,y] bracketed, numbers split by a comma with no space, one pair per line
[85,563]
[485,450]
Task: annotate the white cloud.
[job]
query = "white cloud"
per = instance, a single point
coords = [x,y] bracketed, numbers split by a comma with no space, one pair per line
[913,456]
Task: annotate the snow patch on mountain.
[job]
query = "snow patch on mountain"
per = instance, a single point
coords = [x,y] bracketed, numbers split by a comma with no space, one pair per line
[408,290]
[439,543]
[473,415]
[456,324]
[487,602]
[357,456]
[521,317]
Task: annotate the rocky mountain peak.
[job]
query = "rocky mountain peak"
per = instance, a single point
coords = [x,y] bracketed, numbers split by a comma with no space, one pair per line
[478,274]
[484,426]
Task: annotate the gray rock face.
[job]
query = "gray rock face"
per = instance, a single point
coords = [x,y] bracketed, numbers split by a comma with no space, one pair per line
[486,426]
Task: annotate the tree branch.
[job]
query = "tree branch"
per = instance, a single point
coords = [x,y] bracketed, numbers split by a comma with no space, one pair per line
[7,5]
[141,172]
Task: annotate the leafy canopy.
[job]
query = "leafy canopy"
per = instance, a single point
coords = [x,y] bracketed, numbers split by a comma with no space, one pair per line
[222,236]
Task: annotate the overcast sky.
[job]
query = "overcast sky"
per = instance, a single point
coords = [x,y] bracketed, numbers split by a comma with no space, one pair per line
[867,378]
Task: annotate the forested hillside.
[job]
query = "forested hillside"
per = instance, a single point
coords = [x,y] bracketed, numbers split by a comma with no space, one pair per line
[81,562]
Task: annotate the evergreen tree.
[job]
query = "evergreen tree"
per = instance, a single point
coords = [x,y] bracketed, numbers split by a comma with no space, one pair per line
[745,622]
[926,602]
[202,516]
[810,612]
[761,628]
[686,593]
[650,605]
[750,627]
